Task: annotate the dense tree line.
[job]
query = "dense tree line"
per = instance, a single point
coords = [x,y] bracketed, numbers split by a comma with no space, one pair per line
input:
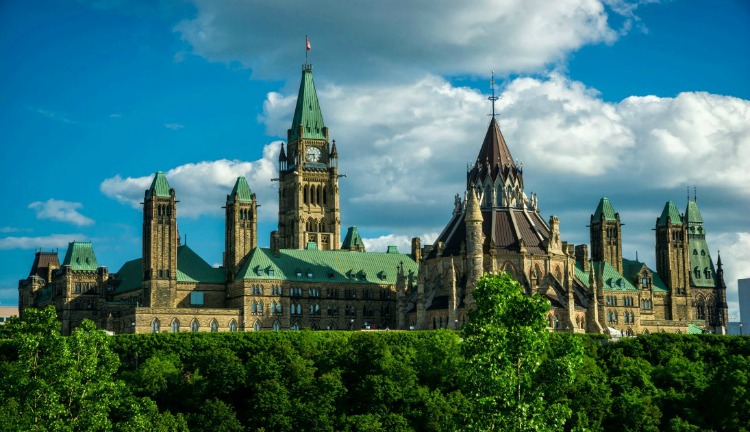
[503,372]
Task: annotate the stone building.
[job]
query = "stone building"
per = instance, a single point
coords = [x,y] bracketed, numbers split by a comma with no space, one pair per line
[497,227]
[310,279]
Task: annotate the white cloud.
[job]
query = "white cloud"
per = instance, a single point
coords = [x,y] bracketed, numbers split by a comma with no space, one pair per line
[202,187]
[403,242]
[59,210]
[174,126]
[400,38]
[44,242]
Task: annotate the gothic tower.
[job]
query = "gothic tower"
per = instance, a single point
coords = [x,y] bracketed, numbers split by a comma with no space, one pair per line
[606,235]
[672,254]
[159,243]
[308,177]
[241,230]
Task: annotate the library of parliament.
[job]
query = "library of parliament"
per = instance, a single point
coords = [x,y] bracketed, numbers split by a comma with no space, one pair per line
[311,278]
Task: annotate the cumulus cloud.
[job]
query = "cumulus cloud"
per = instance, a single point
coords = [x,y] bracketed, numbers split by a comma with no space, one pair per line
[59,210]
[399,37]
[202,187]
[403,242]
[44,242]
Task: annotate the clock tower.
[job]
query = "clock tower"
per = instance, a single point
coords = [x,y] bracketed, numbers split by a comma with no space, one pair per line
[308,177]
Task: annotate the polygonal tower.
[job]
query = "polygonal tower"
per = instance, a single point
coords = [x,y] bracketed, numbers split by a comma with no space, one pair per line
[241,229]
[672,254]
[308,177]
[160,242]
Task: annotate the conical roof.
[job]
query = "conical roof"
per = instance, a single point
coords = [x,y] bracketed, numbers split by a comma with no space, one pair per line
[159,186]
[494,158]
[307,112]
[241,190]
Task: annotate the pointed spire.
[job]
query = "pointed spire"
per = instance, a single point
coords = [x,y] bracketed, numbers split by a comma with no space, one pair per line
[159,186]
[241,192]
[473,210]
[353,241]
[307,113]
[334,152]
[282,154]
[693,213]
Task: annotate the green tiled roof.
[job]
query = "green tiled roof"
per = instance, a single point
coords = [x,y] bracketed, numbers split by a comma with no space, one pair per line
[613,280]
[670,211]
[192,268]
[352,240]
[325,266]
[692,213]
[700,258]
[694,329]
[130,276]
[159,186]
[307,113]
[241,190]
[80,256]
[659,285]
[605,210]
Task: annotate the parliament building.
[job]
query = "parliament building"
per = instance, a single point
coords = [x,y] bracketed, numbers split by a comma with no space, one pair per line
[311,278]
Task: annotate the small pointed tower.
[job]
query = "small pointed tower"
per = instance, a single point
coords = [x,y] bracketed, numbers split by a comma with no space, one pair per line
[721,288]
[672,253]
[606,235]
[159,244]
[353,242]
[474,245]
[241,230]
[308,177]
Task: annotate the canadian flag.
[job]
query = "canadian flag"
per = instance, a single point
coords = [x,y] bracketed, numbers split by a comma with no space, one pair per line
[307,43]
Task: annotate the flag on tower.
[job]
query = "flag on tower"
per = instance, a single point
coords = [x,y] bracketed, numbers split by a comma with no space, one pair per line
[307,43]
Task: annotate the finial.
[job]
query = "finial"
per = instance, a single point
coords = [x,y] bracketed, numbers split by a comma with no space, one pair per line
[688,193]
[695,194]
[307,49]
[493,98]
[636,255]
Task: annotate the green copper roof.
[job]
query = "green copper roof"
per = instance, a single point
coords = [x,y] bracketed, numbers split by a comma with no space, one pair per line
[80,256]
[241,190]
[613,280]
[129,276]
[700,260]
[694,329]
[159,186]
[353,240]
[693,213]
[192,268]
[670,211]
[325,266]
[307,113]
[604,209]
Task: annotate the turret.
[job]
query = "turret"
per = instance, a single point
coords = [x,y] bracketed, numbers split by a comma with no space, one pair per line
[606,235]
[241,226]
[160,242]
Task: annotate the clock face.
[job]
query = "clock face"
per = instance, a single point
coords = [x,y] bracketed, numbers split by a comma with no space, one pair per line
[312,154]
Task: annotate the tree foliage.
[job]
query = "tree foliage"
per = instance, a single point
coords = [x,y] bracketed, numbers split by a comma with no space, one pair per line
[516,376]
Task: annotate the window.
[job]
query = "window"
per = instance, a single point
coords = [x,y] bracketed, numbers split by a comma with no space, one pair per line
[295,326]
[707,273]
[315,309]
[155,325]
[260,308]
[214,326]
[256,326]
[175,326]
[196,298]
[194,325]
[232,326]
[313,292]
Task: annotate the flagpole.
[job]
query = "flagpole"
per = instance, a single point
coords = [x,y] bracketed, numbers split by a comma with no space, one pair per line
[307,42]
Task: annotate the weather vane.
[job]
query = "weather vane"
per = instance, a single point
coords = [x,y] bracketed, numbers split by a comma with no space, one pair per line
[493,98]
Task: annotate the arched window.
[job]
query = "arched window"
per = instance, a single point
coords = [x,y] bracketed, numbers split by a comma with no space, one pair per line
[232,326]
[214,326]
[707,273]
[332,326]
[256,326]
[254,307]
[711,310]
[155,325]
[697,273]
[175,325]
[295,326]
[306,194]
[194,326]
[700,308]
[276,325]
[260,307]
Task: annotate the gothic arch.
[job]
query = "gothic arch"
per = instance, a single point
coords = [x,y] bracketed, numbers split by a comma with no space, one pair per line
[700,307]
[256,325]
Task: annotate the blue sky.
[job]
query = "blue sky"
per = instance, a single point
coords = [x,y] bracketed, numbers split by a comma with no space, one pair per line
[634,101]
